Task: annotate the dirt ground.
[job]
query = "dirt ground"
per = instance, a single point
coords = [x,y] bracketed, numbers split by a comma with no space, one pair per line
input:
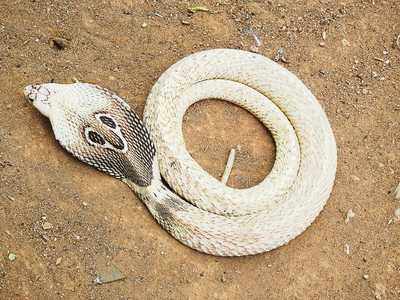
[66,222]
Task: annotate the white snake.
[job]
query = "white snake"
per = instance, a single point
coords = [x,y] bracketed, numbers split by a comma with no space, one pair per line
[99,128]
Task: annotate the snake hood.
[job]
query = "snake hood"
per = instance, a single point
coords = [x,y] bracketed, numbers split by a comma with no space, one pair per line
[88,120]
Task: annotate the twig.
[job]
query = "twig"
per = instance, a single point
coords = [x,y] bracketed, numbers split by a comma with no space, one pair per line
[379,59]
[396,192]
[228,167]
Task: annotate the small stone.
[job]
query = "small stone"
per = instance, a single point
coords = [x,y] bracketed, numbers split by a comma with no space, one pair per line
[280,53]
[324,35]
[374,74]
[184,22]
[47,226]
[365,276]
[322,44]
[12,257]
[223,279]
[109,274]
[58,261]
[323,72]
[144,25]
[350,214]
[85,204]
[355,178]
[364,91]
[347,249]
[58,43]
[345,42]
[8,106]
[397,213]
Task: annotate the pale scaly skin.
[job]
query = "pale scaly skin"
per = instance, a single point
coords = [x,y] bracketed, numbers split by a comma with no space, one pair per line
[99,128]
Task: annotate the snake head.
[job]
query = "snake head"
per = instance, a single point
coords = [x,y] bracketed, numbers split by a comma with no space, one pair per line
[40,96]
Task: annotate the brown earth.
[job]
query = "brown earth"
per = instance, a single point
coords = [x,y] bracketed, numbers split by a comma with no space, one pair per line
[97,222]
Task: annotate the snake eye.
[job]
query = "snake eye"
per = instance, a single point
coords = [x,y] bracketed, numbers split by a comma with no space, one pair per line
[108,121]
[96,138]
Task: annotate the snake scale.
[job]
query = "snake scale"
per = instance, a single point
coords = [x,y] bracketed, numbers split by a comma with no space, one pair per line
[99,128]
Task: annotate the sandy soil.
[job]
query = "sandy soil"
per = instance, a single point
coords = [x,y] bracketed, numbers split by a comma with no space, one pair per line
[96,222]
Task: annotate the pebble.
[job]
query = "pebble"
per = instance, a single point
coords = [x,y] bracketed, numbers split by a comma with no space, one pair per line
[350,214]
[184,22]
[85,204]
[322,44]
[144,25]
[355,178]
[280,55]
[47,226]
[11,257]
[365,276]
[58,43]
[345,42]
[324,35]
[347,249]
[397,213]
[110,274]
[58,261]
[223,278]
[323,72]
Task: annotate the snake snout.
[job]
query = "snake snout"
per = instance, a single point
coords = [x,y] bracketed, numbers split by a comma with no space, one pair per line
[29,92]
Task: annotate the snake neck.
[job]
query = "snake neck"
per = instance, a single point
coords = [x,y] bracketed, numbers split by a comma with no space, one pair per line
[154,187]
[166,206]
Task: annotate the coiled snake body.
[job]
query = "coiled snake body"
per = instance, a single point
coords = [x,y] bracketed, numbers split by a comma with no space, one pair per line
[99,128]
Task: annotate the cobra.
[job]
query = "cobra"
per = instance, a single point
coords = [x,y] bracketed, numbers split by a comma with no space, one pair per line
[99,128]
